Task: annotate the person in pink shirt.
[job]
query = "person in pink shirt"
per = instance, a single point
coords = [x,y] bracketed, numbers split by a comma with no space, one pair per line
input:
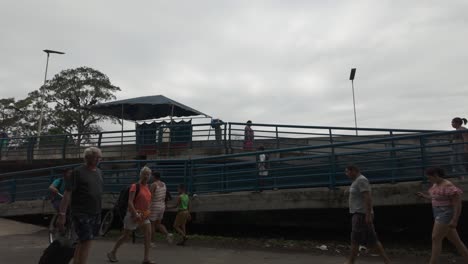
[446,208]
[248,136]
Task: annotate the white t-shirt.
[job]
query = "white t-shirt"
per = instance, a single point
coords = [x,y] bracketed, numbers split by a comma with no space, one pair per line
[262,165]
[356,199]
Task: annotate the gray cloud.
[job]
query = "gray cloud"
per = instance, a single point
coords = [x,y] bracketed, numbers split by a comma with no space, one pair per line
[269,61]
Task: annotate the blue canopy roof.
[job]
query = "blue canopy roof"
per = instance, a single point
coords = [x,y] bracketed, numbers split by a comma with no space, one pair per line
[145,108]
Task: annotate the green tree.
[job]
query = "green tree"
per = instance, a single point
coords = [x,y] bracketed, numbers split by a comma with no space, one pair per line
[70,94]
[19,118]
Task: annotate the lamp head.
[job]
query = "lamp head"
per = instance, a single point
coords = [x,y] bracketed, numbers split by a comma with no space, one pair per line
[53,51]
[353,72]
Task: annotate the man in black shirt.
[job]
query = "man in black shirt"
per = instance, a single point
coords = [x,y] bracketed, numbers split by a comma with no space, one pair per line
[84,191]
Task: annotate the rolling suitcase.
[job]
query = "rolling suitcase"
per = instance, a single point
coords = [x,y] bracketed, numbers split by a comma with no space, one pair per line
[59,252]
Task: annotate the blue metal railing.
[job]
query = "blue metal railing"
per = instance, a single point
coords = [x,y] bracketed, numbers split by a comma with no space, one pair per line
[384,160]
[167,138]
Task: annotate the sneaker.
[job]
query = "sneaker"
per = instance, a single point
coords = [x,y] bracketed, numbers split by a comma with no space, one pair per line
[111,256]
[182,243]
[170,238]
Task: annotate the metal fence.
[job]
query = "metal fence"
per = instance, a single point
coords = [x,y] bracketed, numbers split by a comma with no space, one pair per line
[229,138]
[383,160]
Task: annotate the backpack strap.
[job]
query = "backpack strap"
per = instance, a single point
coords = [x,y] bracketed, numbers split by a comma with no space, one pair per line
[137,191]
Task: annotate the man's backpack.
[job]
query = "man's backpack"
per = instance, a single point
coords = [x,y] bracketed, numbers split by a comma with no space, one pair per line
[61,251]
[122,202]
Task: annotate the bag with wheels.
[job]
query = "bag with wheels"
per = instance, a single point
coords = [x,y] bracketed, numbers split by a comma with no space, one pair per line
[61,251]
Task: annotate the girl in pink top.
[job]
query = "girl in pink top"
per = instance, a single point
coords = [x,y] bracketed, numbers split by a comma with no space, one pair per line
[446,207]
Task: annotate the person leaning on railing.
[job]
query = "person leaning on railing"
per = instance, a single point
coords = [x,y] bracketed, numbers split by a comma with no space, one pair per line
[459,146]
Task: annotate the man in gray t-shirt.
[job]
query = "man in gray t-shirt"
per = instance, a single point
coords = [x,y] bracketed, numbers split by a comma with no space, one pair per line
[85,186]
[357,191]
[83,191]
[360,207]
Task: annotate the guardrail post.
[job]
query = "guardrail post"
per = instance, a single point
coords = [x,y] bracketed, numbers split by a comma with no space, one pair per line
[393,161]
[224,139]
[277,138]
[190,176]
[230,137]
[64,147]
[13,190]
[332,177]
[424,162]
[138,166]
[30,150]
[330,134]
[99,140]
[186,175]
[223,175]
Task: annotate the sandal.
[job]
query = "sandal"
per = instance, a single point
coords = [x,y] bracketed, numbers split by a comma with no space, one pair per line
[111,257]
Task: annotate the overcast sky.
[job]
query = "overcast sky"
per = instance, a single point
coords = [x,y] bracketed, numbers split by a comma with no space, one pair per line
[269,61]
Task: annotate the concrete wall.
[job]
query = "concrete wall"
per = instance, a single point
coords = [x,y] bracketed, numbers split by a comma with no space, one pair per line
[400,194]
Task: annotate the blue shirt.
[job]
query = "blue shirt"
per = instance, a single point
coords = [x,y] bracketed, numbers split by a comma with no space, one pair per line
[59,184]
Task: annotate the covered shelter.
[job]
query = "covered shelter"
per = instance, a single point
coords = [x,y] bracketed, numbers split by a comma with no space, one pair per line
[145,110]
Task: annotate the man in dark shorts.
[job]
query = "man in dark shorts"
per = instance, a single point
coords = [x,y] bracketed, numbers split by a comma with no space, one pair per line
[360,207]
[84,190]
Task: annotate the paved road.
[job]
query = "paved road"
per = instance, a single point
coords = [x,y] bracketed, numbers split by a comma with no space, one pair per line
[19,246]
[28,248]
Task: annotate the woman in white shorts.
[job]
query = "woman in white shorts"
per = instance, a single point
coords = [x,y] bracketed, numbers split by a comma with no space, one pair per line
[138,212]
[158,205]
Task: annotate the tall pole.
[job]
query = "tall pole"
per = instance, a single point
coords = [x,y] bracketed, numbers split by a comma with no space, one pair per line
[122,135]
[41,115]
[351,77]
[354,104]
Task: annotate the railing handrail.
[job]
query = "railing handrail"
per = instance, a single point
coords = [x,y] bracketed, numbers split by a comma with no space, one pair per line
[226,173]
[237,123]
[2,175]
[339,128]
[252,153]
[333,145]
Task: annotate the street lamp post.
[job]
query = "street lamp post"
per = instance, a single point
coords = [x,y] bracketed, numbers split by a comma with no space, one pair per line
[41,115]
[351,77]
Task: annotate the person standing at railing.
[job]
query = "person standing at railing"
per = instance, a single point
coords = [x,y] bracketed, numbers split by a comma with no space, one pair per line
[248,136]
[459,147]
[446,208]
[216,124]
[360,207]
[84,191]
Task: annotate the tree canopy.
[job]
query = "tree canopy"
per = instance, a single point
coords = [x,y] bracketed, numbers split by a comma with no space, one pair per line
[64,101]
[70,94]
